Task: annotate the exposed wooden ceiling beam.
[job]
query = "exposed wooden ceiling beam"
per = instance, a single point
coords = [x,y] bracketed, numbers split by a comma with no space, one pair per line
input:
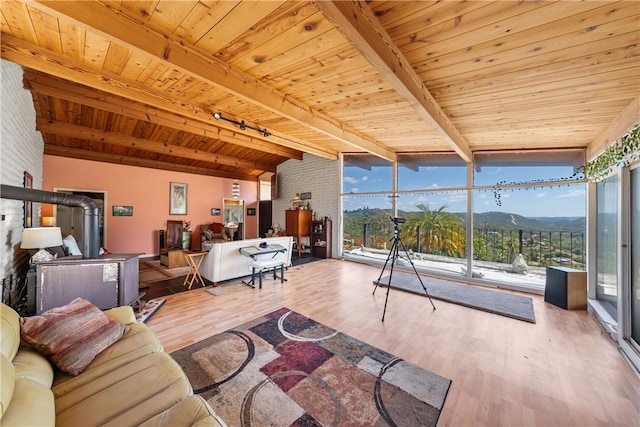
[357,23]
[117,25]
[63,89]
[78,153]
[96,135]
[36,58]
[616,129]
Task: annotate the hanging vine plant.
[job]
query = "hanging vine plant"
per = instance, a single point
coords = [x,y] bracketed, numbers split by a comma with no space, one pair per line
[622,153]
[537,183]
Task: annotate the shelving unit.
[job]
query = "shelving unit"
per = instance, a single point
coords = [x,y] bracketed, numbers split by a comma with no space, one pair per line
[321,238]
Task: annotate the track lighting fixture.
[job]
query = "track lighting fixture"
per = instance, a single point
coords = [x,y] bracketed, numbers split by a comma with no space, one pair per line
[241,124]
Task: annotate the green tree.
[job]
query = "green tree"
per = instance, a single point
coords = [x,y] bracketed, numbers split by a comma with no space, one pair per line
[441,232]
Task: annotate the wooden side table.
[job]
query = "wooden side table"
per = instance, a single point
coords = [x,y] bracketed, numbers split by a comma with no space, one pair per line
[173,258]
[566,288]
[194,259]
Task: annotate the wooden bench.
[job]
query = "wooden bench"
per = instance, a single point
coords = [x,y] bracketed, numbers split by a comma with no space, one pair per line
[265,265]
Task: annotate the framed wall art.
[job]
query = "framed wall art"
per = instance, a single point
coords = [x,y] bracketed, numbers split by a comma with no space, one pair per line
[118,210]
[251,211]
[215,211]
[177,198]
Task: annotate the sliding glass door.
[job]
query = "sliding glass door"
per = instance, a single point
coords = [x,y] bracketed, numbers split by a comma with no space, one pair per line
[634,181]
[607,238]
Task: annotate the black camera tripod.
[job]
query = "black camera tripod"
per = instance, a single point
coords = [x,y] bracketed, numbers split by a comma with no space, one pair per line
[393,257]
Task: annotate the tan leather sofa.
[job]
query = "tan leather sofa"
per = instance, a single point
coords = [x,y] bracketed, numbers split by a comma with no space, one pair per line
[131,383]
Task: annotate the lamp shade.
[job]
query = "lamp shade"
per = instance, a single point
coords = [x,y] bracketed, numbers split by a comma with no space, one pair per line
[41,237]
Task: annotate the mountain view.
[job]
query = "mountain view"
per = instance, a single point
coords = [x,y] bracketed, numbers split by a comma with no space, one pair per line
[509,221]
[498,236]
[492,220]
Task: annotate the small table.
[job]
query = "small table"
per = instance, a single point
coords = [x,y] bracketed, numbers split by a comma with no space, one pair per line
[194,259]
[566,288]
[254,252]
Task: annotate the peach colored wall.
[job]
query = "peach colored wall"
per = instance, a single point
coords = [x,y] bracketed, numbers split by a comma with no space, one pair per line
[147,190]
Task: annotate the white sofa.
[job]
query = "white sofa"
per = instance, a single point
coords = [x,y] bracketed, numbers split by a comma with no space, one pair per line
[224,261]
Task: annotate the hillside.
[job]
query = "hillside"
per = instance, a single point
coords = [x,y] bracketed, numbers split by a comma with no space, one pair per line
[502,220]
[492,220]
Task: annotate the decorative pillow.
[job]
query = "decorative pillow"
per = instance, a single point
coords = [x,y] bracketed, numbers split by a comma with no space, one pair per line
[58,251]
[208,234]
[216,227]
[71,336]
[70,243]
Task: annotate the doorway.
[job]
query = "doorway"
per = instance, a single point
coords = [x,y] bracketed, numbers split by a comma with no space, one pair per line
[69,218]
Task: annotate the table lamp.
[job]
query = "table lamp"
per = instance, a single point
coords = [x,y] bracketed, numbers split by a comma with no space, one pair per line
[41,238]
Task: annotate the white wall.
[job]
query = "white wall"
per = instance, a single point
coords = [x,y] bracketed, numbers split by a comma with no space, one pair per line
[315,175]
[21,149]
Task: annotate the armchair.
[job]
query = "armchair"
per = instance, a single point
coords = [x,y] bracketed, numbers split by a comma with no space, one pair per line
[213,233]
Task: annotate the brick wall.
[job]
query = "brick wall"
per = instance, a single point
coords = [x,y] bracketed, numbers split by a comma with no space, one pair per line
[315,175]
[21,149]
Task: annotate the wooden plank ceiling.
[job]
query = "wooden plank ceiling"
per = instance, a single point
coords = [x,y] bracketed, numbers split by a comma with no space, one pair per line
[137,82]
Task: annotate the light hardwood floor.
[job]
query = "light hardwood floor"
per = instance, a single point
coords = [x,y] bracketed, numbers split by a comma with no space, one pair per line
[561,371]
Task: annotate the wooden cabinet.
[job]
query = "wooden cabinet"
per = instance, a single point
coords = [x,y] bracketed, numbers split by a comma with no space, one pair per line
[321,238]
[107,282]
[173,258]
[298,225]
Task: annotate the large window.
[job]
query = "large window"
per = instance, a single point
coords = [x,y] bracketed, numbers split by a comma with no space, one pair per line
[432,196]
[367,182]
[527,211]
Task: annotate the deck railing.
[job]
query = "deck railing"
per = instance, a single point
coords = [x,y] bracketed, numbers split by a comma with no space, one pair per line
[539,248]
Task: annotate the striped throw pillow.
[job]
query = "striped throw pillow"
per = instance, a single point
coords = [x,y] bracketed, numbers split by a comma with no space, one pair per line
[71,336]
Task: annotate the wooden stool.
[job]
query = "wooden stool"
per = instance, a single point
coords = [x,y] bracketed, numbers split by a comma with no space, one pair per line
[194,259]
[260,266]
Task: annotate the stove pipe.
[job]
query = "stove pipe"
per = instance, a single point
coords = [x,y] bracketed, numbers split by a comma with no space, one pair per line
[90,230]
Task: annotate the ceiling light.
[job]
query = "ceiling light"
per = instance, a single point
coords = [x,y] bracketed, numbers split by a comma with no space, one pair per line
[235,189]
[241,124]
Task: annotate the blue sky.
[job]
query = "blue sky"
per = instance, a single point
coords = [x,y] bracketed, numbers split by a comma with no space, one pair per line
[561,200]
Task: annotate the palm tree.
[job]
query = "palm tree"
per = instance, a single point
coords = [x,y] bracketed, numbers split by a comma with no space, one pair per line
[440,231]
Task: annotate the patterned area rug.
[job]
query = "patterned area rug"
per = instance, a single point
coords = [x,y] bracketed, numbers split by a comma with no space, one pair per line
[284,369]
[148,309]
[502,303]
